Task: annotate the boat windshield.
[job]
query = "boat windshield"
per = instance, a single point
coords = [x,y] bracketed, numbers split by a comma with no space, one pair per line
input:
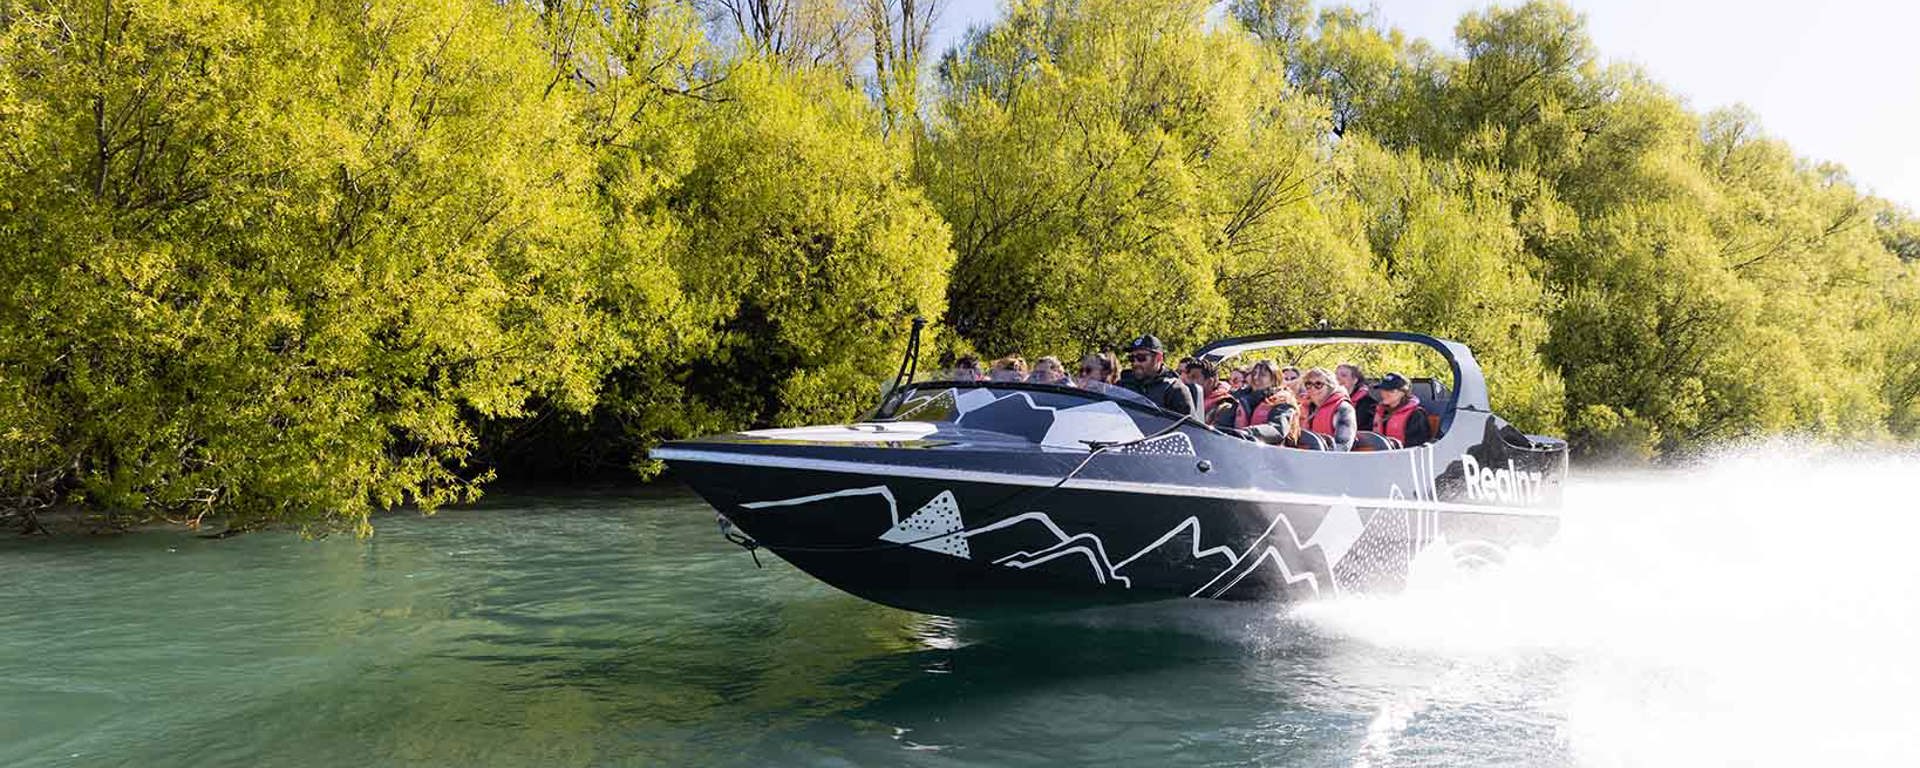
[928,400]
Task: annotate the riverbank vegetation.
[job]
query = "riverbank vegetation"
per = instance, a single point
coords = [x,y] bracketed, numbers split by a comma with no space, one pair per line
[299,260]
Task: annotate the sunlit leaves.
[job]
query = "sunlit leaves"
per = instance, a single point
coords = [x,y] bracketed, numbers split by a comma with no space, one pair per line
[270,274]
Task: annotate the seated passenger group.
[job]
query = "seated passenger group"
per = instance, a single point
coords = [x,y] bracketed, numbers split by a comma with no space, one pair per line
[1327,409]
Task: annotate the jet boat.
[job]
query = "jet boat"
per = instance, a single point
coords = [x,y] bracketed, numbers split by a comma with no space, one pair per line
[983,499]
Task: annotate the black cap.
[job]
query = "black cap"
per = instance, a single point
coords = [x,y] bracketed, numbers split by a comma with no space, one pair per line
[1390,381]
[1146,341]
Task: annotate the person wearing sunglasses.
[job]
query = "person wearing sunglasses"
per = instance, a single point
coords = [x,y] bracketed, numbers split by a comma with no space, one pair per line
[1330,415]
[1148,376]
[1290,380]
[1097,372]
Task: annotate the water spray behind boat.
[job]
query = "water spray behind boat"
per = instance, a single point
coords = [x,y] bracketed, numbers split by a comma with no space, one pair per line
[1768,591]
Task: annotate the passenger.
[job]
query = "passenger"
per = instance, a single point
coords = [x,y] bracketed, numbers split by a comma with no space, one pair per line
[1192,376]
[1149,377]
[1331,414]
[1097,372]
[1048,370]
[1009,368]
[1261,382]
[1264,401]
[1399,414]
[1237,378]
[1290,378]
[1355,382]
[967,368]
[1282,411]
[1222,409]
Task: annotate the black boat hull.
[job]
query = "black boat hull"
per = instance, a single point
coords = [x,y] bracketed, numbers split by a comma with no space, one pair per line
[971,498]
[970,547]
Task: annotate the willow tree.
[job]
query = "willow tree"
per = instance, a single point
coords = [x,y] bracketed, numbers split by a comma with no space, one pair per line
[764,244]
[1454,264]
[265,259]
[1695,278]
[1104,165]
[800,226]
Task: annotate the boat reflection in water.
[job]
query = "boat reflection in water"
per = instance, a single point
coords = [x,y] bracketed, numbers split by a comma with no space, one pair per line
[977,499]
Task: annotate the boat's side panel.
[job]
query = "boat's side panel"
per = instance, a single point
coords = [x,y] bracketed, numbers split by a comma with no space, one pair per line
[978,547]
[989,500]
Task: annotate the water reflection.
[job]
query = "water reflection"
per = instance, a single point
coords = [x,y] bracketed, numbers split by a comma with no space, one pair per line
[590,630]
[578,630]
[618,629]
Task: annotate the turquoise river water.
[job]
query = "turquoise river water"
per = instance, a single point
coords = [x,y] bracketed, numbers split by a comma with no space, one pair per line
[1758,611]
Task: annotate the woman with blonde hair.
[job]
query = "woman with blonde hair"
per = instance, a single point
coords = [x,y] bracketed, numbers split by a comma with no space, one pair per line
[1048,370]
[1330,413]
[1009,368]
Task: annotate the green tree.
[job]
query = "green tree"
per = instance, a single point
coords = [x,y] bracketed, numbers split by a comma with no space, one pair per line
[773,249]
[1455,266]
[267,259]
[1103,164]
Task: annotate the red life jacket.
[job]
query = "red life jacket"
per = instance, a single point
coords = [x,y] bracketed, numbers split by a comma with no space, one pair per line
[1357,395]
[1394,423]
[1322,419]
[1219,393]
[1213,397]
[1259,413]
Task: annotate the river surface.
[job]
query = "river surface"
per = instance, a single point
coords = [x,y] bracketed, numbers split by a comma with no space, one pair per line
[1762,610]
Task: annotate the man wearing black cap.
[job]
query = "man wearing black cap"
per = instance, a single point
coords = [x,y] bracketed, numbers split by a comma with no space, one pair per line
[1147,374]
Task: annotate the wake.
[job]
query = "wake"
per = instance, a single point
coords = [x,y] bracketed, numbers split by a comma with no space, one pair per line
[1761,609]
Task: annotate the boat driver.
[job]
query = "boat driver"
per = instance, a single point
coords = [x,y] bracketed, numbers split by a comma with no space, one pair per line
[1147,375]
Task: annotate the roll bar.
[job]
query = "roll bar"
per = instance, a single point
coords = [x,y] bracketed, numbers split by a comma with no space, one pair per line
[1469,384]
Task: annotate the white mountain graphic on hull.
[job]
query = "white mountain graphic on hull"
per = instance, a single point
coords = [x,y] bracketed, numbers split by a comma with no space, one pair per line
[1310,565]
[935,527]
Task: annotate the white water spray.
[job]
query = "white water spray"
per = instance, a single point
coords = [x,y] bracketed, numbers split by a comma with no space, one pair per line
[1761,610]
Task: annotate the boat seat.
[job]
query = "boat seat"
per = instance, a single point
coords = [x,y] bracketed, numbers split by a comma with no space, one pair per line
[1224,407]
[1372,441]
[1425,388]
[1434,397]
[1267,433]
[1314,441]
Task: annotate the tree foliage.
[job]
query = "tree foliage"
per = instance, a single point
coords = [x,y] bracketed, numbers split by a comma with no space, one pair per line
[259,259]
[1110,167]
[299,260]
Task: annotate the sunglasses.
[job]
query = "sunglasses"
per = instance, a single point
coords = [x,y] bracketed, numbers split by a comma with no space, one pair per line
[1140,357]
[1316,385]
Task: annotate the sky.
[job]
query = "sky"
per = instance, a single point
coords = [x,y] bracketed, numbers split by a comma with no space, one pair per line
[1838,80]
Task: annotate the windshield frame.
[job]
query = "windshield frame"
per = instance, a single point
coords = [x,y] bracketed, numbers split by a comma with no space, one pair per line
[1113,393]
[1469,383]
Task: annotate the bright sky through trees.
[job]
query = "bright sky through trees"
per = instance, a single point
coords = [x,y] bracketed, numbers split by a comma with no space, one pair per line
[1836,79]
